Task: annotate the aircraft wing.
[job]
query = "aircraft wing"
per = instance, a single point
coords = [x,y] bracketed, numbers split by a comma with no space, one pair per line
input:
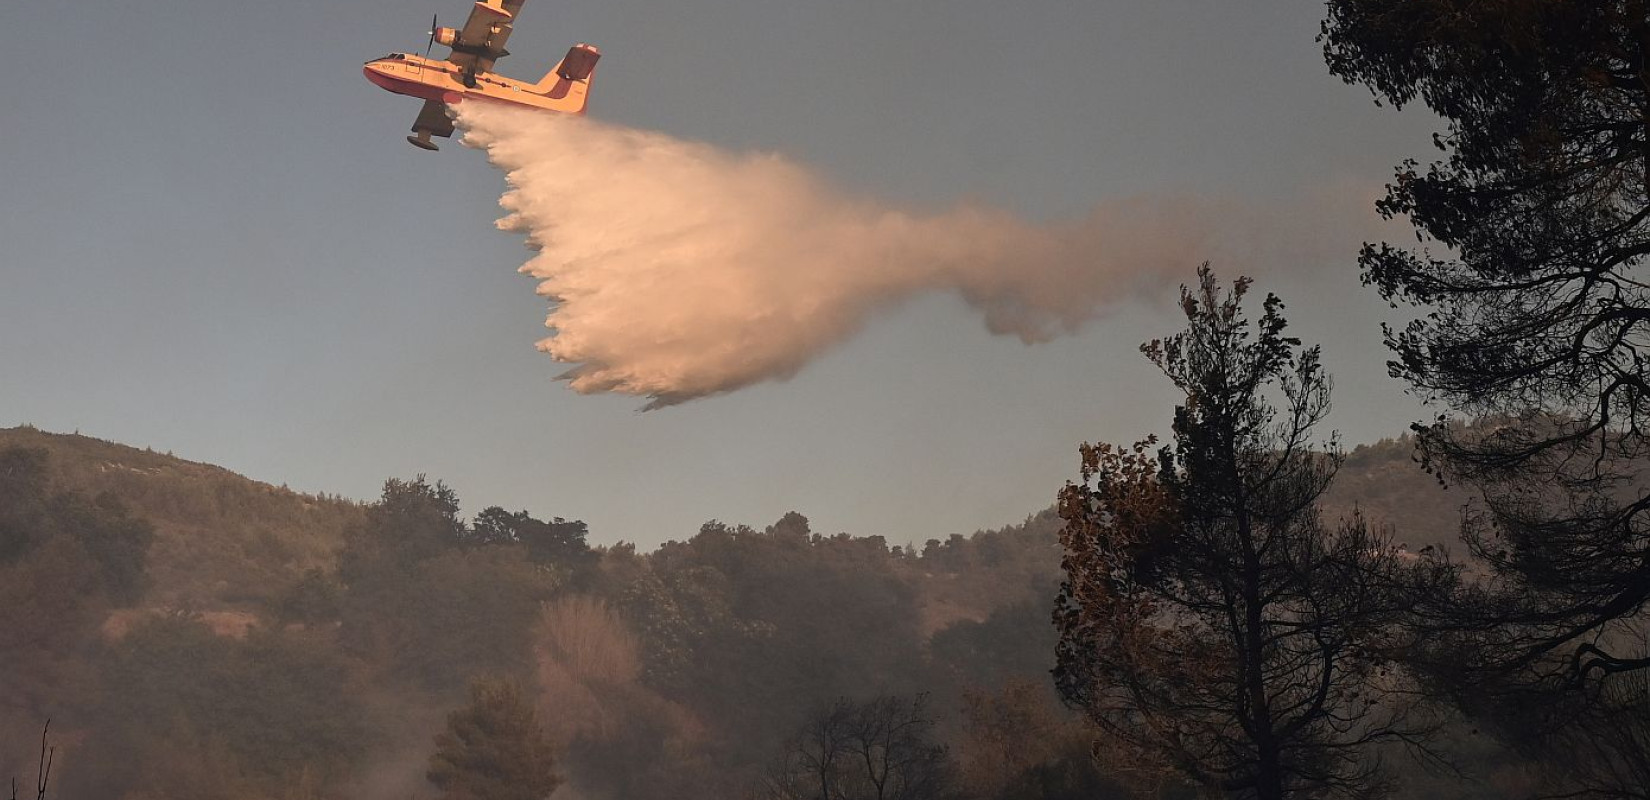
[481,41]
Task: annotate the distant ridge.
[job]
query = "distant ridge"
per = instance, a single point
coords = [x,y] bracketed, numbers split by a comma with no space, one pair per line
[225,541]
[1384,482]
[221,539]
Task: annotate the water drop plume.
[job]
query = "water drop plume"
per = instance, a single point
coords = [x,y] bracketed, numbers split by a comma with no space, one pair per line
[677,270]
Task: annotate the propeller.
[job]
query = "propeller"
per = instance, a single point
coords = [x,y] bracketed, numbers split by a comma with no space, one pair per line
[430,46]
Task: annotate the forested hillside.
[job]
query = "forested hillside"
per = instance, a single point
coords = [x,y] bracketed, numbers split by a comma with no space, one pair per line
[193,633]
[1385,483]
[222,541]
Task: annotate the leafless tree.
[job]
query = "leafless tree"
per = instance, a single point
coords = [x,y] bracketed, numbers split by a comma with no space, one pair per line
[881,749]
[43,771]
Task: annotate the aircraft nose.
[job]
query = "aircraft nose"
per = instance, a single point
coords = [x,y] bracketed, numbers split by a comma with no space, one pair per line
[378,75]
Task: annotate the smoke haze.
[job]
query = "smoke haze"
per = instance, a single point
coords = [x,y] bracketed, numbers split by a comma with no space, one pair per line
[677,270]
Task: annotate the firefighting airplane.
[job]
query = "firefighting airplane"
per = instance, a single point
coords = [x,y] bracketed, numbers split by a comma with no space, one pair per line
[468,72]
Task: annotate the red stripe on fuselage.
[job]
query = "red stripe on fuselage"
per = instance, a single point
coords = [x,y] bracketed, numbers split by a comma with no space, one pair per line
[404,86]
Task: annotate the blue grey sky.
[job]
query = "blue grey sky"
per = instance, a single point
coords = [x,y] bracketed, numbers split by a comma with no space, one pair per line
[216,243]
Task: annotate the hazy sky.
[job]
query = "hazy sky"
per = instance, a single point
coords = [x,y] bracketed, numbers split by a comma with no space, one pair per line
[217,244]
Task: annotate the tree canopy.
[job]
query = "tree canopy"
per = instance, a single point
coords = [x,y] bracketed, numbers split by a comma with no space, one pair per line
[1534,233]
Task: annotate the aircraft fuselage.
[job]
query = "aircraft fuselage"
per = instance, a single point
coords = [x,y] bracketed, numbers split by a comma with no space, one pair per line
[443,81]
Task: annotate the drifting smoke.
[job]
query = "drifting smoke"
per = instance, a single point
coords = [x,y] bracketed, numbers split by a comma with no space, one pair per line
[677,270]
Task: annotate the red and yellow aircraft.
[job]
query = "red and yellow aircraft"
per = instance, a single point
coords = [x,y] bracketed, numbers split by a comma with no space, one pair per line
[468,72]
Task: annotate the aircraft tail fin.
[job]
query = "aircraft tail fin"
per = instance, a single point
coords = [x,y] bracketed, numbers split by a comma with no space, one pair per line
[569,81]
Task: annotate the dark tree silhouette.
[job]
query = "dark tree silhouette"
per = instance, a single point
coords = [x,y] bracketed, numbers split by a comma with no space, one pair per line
[1208,619]
[881,749]
[1606,753]
[558,541]
[412,521]
[1534,232]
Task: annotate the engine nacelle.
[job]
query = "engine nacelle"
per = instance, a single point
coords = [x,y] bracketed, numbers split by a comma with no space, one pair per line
[446,36]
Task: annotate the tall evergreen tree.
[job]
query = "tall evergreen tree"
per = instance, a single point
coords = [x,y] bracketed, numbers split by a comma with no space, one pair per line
[1535,228]
[494,749]
[1208,619]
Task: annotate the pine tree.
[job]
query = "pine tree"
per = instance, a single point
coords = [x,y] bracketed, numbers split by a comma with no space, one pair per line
[494,748]
[1210,622]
